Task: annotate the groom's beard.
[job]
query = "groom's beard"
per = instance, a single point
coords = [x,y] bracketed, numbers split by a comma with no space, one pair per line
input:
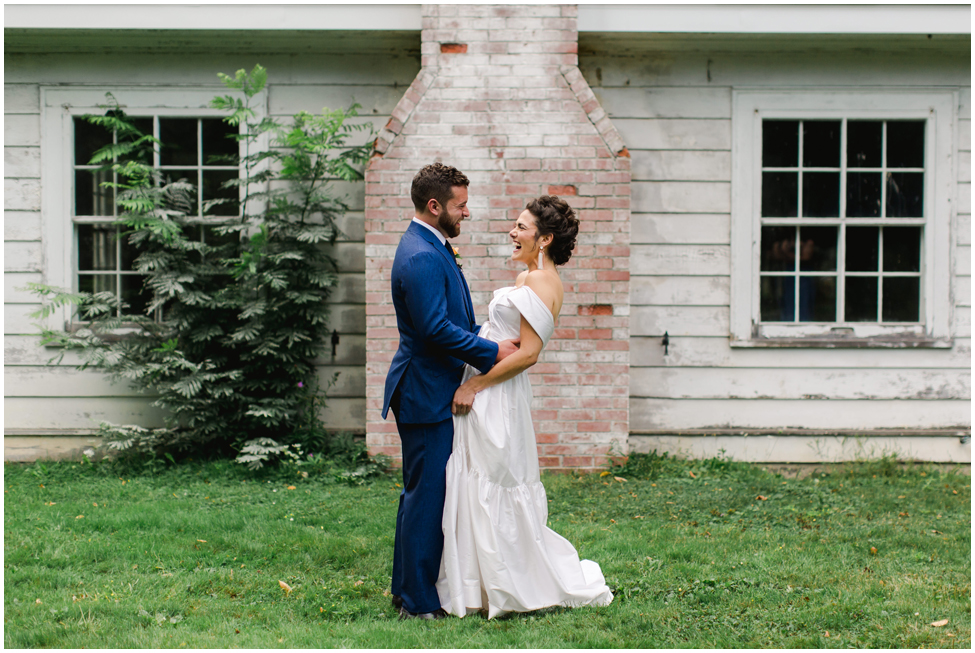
[452,229]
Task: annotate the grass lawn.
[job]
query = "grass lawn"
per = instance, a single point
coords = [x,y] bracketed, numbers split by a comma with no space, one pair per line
[699,554]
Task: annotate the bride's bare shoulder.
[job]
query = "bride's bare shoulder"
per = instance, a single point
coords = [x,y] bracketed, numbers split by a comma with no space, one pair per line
[548,287]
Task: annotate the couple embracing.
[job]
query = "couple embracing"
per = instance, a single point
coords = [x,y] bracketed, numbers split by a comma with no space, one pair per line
[471,530]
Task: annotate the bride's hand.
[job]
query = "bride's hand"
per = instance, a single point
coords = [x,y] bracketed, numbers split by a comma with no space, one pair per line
[463,400]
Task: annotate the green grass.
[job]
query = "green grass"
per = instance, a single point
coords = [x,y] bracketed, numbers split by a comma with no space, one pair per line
[192,557]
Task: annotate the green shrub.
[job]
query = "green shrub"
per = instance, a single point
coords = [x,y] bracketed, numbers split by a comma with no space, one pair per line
[243,310]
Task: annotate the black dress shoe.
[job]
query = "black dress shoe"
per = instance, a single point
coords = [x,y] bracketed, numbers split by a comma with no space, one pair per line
[439,613]
[397,602]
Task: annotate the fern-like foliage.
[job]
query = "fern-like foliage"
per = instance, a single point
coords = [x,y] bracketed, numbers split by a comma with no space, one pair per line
[244,313]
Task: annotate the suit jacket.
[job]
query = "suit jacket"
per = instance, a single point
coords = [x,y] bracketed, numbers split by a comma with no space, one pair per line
[437,333]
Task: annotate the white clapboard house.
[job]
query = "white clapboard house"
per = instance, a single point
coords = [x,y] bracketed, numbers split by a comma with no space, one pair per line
[788,231]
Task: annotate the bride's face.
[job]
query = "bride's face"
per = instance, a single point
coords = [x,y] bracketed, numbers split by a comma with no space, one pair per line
[523,235]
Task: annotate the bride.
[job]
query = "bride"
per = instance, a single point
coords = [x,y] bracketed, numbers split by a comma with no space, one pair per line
[499,555]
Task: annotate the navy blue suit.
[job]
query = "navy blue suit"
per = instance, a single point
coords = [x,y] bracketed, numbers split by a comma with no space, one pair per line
[435,318]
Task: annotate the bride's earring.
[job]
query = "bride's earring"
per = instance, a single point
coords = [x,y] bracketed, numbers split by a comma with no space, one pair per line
[541,257]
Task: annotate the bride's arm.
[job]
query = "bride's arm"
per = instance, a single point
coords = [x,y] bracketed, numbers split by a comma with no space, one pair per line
[510,367]
[513,365]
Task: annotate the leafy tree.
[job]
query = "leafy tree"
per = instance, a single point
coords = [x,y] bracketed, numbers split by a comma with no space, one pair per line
[243,311]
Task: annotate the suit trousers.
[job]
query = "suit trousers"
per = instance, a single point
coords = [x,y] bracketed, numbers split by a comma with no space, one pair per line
[418,547]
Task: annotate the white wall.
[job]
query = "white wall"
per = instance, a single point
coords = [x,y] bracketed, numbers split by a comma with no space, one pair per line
[674,111]
[43,399]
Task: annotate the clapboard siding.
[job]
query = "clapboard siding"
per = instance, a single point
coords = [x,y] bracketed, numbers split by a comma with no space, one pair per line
[307,83]
[680,229]
[691,351]
[799,383]
[843,415]
[674,111]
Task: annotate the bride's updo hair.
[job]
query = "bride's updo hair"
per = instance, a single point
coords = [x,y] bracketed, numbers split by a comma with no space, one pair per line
[555,216]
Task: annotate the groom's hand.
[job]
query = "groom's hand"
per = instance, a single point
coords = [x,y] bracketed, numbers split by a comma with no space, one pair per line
[506,348]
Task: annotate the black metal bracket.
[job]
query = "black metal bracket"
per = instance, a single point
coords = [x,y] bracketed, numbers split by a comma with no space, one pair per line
[335,341]
[666,342]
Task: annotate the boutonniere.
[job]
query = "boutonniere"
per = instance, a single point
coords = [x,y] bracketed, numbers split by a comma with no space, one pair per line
[457,258]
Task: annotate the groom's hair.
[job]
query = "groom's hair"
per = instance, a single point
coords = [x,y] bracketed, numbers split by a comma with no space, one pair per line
[436,181]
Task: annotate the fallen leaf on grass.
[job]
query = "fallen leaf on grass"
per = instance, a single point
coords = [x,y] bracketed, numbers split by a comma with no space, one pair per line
[292,487]
[936,624]
[80,517]
[621,480]
[358,582]
[691,474]
[903,514]
[204,541]
[602,474]
[827,633]
[873,550]
[761,498]
[49,503]
[285,587]
[38,602]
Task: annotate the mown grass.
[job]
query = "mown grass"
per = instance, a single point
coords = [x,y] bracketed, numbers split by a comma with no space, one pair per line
[192,557]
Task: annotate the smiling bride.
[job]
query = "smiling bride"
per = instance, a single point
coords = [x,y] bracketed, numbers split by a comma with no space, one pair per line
[499,555]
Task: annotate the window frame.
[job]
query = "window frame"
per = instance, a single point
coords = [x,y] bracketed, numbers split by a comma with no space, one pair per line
[59,107]
[749,107]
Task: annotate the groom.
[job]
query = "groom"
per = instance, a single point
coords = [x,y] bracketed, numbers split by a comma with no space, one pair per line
[435,318]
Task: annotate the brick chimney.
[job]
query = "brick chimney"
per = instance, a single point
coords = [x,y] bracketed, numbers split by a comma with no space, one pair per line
[500,96]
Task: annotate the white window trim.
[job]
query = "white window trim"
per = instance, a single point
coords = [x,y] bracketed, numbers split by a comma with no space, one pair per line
[59,106]
[937,107]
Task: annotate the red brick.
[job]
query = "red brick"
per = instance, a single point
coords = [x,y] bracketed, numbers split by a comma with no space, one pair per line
[595,309]
[562,190]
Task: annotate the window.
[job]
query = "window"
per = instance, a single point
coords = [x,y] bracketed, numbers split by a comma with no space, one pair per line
[83,248]
[840,218]
[195,150]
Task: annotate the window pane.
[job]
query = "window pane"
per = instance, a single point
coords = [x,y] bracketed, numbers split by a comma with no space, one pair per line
[817,299]
[780,194]
[863,143]
[861,299]
[90,197]
[905,144]
[821,194]
[778,301]
[88,139]
[863,194]
[817,248]
[143,154]
[133,293]
[902,249]
[178,136]
[180,198]
[862,248]
[96,246]
[219,141]
[901,299]
[778,249]
[905,193]
[128,252]
[780,143]
[212,180]
[821,144]
[96,283]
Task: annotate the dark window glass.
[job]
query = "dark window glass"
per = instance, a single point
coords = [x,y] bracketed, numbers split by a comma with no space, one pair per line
[817,248]
[902,249]
[96,247]
[817,299]
[219,142]
[780,143]
[864,140]
[862,248]
[88,139]
[129,253]
[178,138]
[778,249]
[905,144]
[142,154]
[863,194]
[901,299]
[821,144]
[820,194]
[96,283]
[905,194]
[861,299]
[778,299]
[212,182]
[90,196]
[135,295]
[780,194]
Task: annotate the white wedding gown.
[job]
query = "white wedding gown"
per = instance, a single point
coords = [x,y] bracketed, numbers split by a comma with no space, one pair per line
[499,555]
